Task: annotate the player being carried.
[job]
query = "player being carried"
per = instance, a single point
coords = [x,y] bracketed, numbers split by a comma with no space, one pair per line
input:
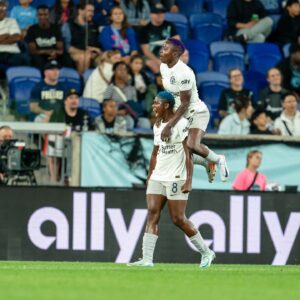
[169,180]
[179,79]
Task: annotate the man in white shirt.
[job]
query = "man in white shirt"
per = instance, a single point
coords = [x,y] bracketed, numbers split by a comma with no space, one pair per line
[10,34]
[289,121]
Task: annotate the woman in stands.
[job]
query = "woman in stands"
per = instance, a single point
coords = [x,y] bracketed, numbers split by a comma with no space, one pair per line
[62,12]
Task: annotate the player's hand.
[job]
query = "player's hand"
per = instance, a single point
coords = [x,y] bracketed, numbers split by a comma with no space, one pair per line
[166,133]
[187,187]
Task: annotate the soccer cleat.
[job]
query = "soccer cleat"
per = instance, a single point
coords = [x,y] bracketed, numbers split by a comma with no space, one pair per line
[211,171]
[207,259]
[141,263]
[224,171]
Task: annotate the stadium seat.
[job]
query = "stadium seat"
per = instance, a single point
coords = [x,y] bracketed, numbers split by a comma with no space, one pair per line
[181,23]
[70,78]
[49,3]
[206,27]
[263,56]
[286,50]
[272,6]
[199,55]
[210,86]
[227,55]
[254,81]
[21,80]
[87,74]
[190,7]
[275,19]
[92,106]
[218,7]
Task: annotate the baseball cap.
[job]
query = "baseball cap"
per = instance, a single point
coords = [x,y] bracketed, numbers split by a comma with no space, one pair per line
[52,64]
[72,92]
[158,8]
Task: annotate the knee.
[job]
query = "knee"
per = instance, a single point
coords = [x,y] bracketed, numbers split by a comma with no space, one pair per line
[178,220]
[153,216]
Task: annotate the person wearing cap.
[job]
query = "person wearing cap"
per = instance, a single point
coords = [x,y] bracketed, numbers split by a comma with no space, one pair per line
[170,5]
[10,35]
[169,181]
[47,94]
[153,36]
[44,40]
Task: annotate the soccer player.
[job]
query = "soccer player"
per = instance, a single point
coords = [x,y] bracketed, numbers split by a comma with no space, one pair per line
[169,181]
[179,79]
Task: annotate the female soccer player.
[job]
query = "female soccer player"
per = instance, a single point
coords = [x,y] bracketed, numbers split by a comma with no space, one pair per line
[170,180]
[179,79]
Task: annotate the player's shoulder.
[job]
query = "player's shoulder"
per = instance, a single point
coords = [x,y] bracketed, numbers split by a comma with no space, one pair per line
[183,70]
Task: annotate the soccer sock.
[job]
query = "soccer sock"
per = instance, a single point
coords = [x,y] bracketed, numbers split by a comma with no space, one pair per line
[198,242]
[199,160]
[149,242]
[212,156]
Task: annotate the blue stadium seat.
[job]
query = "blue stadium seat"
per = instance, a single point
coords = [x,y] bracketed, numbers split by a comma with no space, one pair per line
[92,106]
[70,78]
[272,6]
[190,7]
[49,3]
[181,23]
[275,19]
[218,7]
[263,56]
[87,74]
[254,81]
[206,27]
[210,86]
[286,50]
[199,55]
[227,55]
[21,80]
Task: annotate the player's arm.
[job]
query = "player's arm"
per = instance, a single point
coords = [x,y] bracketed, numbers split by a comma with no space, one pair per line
[152,161]
[187,187]
[185,97]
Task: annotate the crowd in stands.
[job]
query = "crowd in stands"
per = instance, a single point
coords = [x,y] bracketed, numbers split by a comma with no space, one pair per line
[113,46]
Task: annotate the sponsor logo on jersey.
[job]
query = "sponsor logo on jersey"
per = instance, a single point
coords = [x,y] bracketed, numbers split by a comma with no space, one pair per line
[185,81]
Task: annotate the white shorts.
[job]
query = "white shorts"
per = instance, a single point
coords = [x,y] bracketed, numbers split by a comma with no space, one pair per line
[171,190]
[199,119]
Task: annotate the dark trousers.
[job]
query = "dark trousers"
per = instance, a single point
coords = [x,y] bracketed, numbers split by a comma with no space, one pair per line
[14,59]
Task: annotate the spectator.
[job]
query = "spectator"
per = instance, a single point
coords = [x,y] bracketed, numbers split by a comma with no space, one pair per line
[110,122]
[102,11]
[81,37]
[44,40]
[248,21]
[250,178]
[237,122]
[168,4]
[25,15]
[76,118]
[288,27]
[101,76]
[6,133]
[259,123]
[62,12]
[289,121]
[290,69]
[118,35]
[154,35]
[10,35]
[48,94]
[226,103]
[137,12]
[270,97]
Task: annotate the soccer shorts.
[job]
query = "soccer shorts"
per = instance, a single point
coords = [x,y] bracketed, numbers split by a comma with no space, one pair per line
[199,119]
[170,189]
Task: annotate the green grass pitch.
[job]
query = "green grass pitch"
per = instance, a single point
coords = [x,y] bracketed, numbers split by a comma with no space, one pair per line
[89,281]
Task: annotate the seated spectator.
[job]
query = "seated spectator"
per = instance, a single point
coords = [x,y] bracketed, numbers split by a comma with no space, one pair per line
[10,35]
[289,121]
[72,115]
[248,21]
[170,5]
[81,37]
[118,35]
[250,179]
[62,12]
[270,97]
[288,27]
[110,122]
[290,69]
[259,123]
[44,40]
[47,95]
[101,76]
[237,122]
[226,103]
[154,35]
[137,12]
[25,15]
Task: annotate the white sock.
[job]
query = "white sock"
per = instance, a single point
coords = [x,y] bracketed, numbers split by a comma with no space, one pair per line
[149,242]
[199,160]
[212,156]
[198,242]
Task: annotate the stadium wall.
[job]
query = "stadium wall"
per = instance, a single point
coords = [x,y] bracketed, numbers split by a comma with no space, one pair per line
[65,224]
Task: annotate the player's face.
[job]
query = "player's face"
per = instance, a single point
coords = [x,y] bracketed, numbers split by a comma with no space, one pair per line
[166,53]
[158,107]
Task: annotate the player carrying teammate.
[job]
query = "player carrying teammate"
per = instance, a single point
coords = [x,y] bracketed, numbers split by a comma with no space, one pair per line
[170,180]
[179,79]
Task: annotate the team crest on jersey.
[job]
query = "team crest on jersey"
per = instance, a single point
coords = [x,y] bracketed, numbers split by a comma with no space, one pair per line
[172,80]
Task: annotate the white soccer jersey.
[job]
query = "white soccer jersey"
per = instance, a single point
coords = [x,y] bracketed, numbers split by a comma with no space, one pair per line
[181,78]
[170,161]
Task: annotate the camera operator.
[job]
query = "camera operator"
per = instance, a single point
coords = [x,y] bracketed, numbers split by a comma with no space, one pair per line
[6,133]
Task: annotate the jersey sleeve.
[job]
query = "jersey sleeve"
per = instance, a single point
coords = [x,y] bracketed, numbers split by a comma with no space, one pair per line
[186,80]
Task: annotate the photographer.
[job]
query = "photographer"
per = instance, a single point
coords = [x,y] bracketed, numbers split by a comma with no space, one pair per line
[6,133]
